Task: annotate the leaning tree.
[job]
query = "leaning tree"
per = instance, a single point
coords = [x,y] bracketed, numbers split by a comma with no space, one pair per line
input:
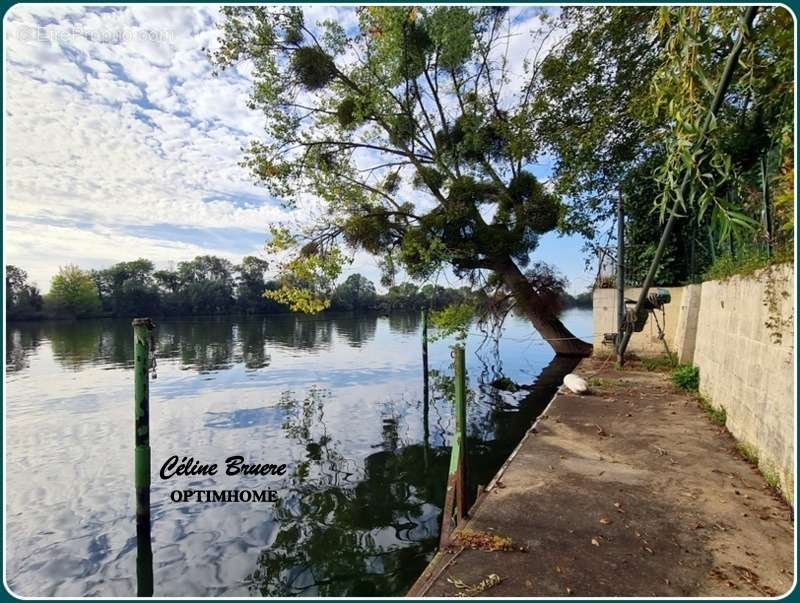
[417,128]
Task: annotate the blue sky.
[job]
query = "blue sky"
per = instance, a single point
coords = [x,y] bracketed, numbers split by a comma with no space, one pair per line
[121,144]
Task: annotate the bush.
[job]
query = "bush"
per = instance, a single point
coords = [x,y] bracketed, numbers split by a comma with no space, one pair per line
[686,376]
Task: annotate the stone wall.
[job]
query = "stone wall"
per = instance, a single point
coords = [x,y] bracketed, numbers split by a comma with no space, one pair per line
[743,348]
[747,367]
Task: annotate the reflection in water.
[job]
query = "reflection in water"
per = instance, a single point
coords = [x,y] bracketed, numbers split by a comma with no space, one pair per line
[348,530]
[338,399]
[20,343]
[356,329]
[404,323]
[204,345]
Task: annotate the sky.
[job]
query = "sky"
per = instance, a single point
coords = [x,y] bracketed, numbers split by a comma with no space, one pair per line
[120,143]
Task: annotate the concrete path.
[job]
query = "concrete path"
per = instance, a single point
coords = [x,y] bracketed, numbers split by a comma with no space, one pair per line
[631,490]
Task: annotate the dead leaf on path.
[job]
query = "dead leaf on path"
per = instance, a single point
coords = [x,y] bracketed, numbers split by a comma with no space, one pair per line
[605,520]
[466,590]
[754,580]
[484,541]
[595,542]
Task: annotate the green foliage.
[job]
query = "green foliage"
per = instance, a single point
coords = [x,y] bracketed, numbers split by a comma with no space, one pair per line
[355,293]
[206,285]
[745,262]
[23,300]
[686,376]
[632,86]
[716,414]
[73,293]
[313,67]
[454,319]
[415,94]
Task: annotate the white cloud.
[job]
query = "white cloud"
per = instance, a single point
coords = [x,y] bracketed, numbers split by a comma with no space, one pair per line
[113,119]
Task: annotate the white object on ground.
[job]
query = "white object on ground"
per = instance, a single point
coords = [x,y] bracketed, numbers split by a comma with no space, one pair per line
[576,384]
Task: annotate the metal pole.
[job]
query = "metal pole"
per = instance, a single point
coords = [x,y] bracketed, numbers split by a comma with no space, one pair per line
[767,208]
[141,366]
[620,272]
[722,88]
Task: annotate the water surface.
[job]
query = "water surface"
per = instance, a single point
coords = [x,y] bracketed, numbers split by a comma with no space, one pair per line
[339,399]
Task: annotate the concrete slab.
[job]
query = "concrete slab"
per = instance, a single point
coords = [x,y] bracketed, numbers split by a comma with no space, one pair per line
[629,491]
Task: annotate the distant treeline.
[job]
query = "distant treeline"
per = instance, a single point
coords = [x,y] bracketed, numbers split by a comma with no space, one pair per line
[204,286]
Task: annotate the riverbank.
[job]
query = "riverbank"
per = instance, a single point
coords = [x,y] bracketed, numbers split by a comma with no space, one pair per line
[629,491]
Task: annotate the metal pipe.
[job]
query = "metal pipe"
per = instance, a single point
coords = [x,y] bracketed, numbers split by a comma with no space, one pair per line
[722,88]
[141,399]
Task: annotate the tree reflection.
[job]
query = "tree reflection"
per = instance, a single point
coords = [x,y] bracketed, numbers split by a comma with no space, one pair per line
[348,531]
[21,342]
[303,333]
[253,344]
[404,323]
[356,329]
[78,343]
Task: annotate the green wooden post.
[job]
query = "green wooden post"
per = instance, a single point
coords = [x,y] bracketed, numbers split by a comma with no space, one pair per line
[141,367]
[461,433]
[456,494]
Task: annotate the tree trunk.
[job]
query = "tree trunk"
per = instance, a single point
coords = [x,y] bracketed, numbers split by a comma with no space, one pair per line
[531,303]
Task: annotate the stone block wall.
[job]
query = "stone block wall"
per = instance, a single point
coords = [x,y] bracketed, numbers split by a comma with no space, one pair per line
[740,333]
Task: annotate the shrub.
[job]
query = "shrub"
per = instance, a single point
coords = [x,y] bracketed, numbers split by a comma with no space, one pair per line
[686,376]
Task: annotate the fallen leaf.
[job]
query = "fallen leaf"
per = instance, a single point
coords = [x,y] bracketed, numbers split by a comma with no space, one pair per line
[595,542]
[605,520]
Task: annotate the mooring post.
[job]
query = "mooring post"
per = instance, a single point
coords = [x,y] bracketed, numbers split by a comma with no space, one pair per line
[461,434]
[141,401]
[456,493]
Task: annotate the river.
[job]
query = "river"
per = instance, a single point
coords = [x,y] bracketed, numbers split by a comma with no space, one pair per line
[337,399]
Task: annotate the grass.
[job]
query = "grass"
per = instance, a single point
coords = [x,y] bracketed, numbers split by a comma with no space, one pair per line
[659,363]
[715,413]
[686,376]
[772,477]
[750,454]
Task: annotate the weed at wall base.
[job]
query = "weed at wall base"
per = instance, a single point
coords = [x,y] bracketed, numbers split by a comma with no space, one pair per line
[750,454]
[686,376]
[716,414]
